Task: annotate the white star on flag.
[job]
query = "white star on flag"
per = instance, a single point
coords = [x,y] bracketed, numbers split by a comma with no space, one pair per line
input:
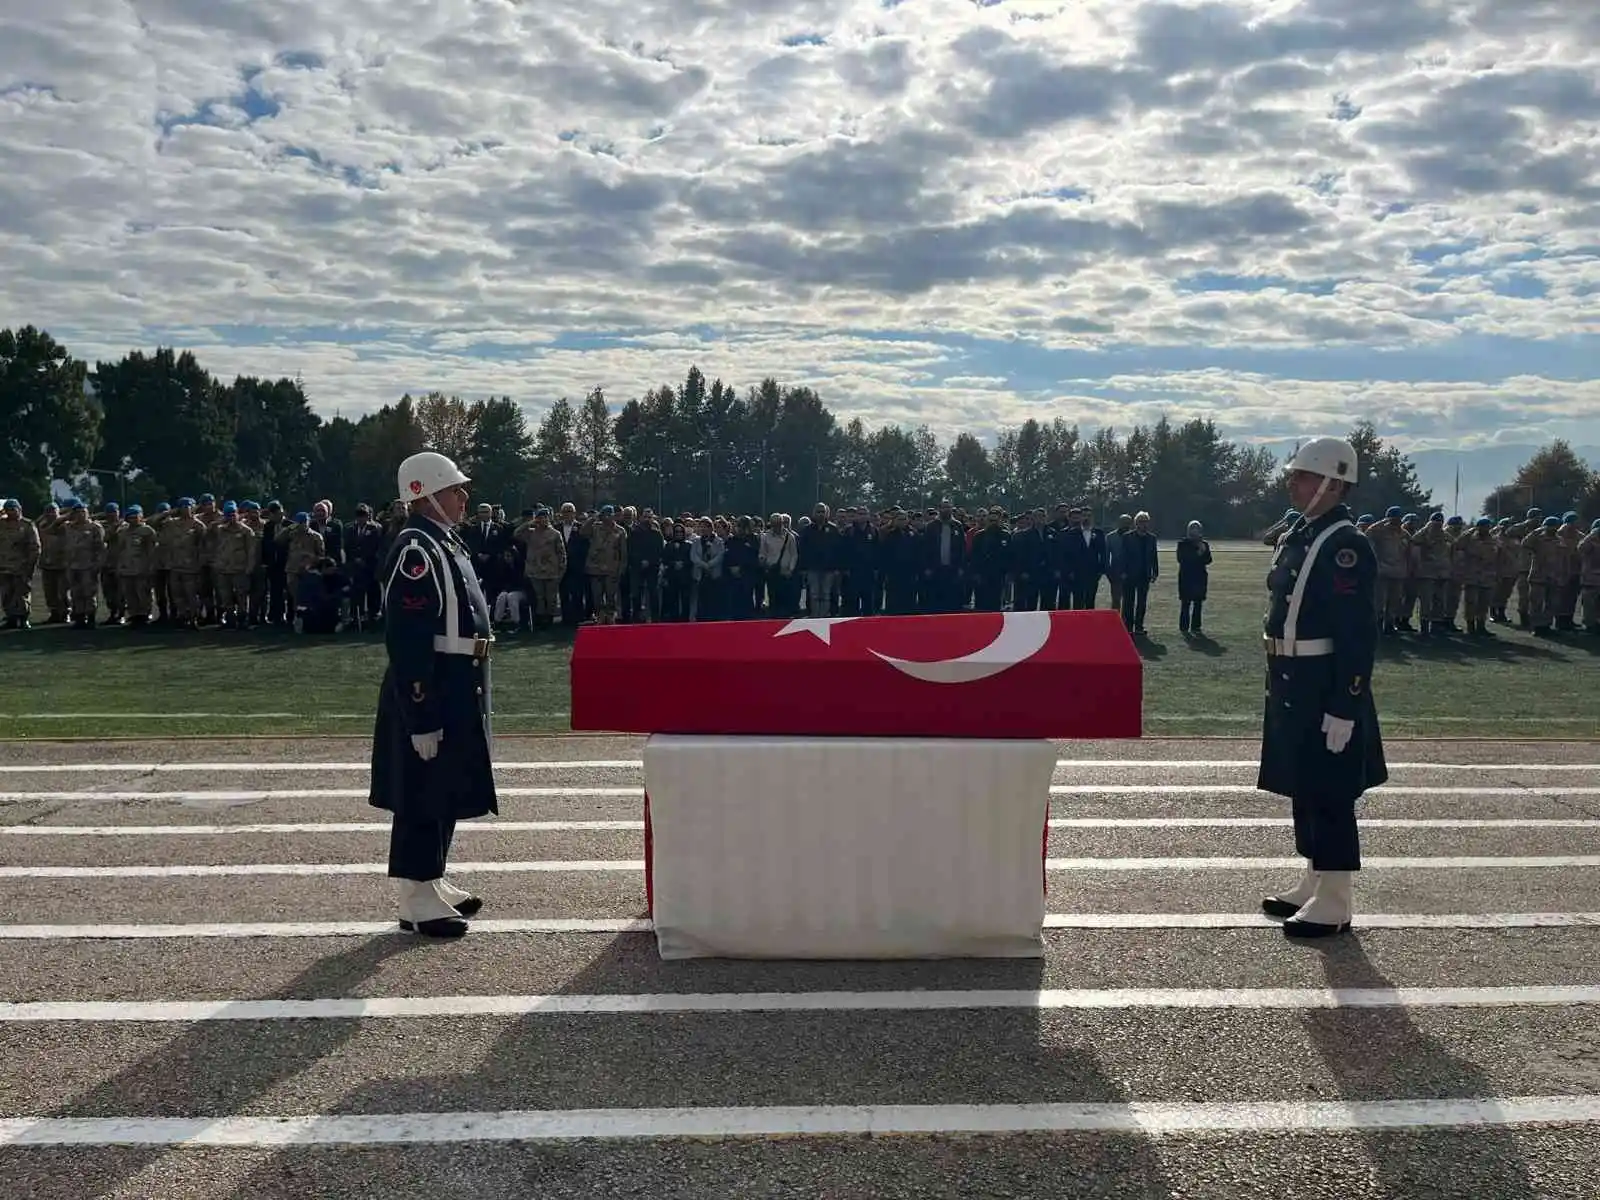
[820,628]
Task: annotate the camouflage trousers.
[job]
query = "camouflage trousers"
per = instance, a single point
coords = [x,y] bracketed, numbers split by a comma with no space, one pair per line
[55,591]
[1477,597]
[84,592]
[134,593]
[1589,607]
[1392,598]
[14,594]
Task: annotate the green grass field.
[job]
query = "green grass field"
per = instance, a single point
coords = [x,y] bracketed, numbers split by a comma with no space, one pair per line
[113,682]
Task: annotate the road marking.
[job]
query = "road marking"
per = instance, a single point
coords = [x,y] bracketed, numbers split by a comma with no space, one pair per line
[925,1000]
[574,925]
[585,866]
[296,827]
[634,764]
[635,1124]
[1076,789]
[382,827]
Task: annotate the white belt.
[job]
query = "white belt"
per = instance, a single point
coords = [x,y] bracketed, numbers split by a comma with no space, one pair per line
[1304,648]
[473,647]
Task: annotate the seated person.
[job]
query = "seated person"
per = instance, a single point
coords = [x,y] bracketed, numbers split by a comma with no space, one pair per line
[320,594]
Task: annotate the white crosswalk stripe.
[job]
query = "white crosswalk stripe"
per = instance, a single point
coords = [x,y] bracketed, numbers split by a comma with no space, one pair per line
[194,961]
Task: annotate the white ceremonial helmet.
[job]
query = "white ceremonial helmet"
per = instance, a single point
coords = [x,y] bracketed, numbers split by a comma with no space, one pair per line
[1332,458]
[424,474]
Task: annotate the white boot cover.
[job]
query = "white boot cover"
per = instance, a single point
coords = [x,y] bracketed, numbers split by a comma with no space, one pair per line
[1333,901]
[419,902]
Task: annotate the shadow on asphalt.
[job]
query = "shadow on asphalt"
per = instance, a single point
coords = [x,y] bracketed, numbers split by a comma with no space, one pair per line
[543,1062]
[212,1068]
[1386,1055]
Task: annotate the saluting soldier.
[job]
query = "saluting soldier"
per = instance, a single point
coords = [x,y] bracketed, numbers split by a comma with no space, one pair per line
[1321,746]
[432,760]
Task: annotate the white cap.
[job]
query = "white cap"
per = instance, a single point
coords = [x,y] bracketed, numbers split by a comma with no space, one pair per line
[1332,458]
[426,473]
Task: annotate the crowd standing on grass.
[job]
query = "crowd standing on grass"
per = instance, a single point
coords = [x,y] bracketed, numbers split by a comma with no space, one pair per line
[239,564]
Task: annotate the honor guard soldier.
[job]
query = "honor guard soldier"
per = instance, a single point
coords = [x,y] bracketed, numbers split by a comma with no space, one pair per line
[432,761]
[1320,744]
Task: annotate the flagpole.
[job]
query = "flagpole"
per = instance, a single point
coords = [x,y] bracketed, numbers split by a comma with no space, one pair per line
[1458,489]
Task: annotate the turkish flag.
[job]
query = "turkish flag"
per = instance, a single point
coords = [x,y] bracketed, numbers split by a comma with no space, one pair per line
[963,675]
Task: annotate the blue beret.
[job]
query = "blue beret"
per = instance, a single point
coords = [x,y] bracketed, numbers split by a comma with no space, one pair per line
[1392,511]
[229,507]
[1552,522]
[136,510]
[16,504]
[72,502]
[163,507]
[1289,514]
[207,498]
[1533,512]
[185,502]
[607,510]
[541,512]
[300,518]
[1366,518]
[251,506]
[1596,525]
[1483,522]
[111,506]
[1504,521]
[1455,521]
[1570,518]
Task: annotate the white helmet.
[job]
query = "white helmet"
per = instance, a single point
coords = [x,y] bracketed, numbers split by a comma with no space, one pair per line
[1332,458]
[426,473]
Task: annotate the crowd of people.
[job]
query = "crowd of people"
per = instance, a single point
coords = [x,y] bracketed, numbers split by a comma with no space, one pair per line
[241,564]
[1436,570]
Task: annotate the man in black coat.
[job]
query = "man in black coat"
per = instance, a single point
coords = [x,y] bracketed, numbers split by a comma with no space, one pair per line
[432,749]
[1320,745]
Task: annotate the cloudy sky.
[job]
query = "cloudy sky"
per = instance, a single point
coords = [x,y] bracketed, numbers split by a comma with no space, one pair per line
[1282,214]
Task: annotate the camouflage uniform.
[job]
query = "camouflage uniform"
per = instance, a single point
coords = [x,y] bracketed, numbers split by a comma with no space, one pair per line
[53,563]
[19,555]
[182,552]
[86,557]
[545,562]
[1478,554]
[1546,562]
[1391,544]
[605,563]
[1433,572]
[135,561]
[1589,579]
[233,556]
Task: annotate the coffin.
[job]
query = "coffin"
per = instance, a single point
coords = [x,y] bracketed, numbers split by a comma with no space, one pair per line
[1018,675]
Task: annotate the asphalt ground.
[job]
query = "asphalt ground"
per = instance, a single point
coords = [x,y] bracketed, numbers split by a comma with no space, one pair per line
[1363,1083]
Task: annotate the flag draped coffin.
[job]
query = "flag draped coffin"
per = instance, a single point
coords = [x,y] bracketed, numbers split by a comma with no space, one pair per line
[965,675]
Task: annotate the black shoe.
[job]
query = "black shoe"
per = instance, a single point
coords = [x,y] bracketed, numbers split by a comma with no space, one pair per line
[470,906]
[1274,907]
[440,927]
[1310,929]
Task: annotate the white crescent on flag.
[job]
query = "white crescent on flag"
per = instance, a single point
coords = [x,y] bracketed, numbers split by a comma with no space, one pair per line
[1021,636]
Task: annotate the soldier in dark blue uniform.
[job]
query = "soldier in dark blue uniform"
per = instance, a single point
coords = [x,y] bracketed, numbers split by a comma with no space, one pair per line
[1320,745]
[432,760]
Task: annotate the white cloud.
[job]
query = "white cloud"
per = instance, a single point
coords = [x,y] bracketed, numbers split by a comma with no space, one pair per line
[466,181]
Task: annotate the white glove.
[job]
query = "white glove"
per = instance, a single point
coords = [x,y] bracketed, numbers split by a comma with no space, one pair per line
[427,744]
[1338,731]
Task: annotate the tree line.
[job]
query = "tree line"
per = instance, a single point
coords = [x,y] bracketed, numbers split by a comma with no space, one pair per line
[152,426]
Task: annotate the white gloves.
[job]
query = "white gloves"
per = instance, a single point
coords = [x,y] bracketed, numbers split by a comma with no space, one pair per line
[1338,731]
[427,744]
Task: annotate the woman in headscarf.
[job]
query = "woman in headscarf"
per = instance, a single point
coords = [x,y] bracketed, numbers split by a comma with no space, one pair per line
[1194,557]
